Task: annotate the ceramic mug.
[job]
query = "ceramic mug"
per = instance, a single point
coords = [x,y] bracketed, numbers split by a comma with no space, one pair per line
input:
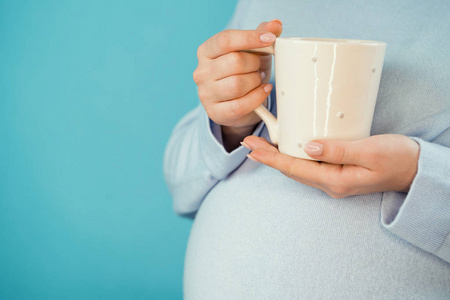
[325,88]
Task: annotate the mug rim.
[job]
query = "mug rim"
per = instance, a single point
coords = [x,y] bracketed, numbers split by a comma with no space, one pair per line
[332,41]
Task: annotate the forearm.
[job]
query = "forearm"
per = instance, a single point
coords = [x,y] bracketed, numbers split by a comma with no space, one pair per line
[195,160]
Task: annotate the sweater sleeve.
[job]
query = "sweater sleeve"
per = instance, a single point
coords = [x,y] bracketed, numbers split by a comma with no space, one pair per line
[422,216]
[195,160]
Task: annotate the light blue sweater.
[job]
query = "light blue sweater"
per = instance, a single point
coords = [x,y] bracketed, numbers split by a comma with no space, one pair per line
[260,235]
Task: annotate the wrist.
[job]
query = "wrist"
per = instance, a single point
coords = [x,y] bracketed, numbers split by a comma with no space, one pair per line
[413,151]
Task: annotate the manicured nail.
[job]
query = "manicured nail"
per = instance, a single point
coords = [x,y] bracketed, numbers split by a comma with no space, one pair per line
[246,145]
[314,148]
[263,75]
[277,20]
[251,157]
[267,37]
[267,88]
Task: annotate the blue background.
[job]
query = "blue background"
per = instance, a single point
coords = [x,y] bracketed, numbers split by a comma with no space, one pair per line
[89,93]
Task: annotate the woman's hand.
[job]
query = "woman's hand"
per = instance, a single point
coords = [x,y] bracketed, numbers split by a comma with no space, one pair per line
[379,163]
[231,83]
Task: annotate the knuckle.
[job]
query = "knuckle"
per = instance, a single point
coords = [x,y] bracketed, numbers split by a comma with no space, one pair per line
[237,109]
[235,85]
[224,39]
[240,62]
[255,61]
[201,73]
[236,59]
[338,154]
[257,79]
[196,76]
[200,50]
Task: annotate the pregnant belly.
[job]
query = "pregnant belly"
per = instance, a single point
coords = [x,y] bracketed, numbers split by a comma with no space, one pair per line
[260,235]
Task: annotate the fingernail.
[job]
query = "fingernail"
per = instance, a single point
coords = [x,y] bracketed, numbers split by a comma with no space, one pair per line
[314,148]
[251,157]
[277,20]
[267,88]
[263,75]
[267,37]
[246,145]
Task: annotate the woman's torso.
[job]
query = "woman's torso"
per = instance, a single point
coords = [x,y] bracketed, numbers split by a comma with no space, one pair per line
[261,235]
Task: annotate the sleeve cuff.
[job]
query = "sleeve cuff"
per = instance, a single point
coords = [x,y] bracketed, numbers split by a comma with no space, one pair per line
[218,161]
[422,216]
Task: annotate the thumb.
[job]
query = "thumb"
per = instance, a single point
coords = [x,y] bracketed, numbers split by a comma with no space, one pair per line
[275,26]
[337,152]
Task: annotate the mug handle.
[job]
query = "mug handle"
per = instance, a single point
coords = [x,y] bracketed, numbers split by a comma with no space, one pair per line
[265,115]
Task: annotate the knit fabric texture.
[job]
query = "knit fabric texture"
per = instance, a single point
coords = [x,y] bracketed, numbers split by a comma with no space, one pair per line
[258,234]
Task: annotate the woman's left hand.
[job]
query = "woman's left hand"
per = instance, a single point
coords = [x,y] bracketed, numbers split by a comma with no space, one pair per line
[379,163]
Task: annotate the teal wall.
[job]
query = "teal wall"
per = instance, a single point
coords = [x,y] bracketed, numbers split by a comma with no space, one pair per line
[89,93]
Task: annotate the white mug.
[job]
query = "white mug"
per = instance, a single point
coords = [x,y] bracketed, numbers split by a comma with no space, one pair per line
[325,88]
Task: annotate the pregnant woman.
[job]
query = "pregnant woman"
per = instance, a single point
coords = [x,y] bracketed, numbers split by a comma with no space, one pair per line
[372,220]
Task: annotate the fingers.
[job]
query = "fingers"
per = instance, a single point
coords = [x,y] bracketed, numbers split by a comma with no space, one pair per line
[227,112]
[341,152]
[267,154]
[230,81]
[258,143]
[231,87]
[369,165]
[235,63]
[236,86]
[235,40]
[337,180]
[275,26]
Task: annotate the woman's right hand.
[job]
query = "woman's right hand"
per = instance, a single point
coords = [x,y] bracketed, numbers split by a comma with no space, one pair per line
[231,83]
